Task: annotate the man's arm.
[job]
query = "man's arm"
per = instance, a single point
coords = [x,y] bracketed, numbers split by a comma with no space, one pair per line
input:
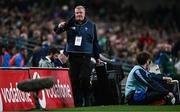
[19,62]
[146,79]
[63,26]
[60,28]
[160,77]
[142,77]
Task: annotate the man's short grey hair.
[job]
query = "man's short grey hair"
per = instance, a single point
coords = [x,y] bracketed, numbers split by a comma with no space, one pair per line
[80,7]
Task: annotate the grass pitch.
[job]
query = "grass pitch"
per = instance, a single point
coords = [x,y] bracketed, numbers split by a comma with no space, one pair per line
[122,108]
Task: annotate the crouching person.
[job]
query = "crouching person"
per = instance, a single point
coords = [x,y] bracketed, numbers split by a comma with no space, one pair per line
[143,87]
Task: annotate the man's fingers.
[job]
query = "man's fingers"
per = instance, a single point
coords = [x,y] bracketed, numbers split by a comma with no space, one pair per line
[62,24]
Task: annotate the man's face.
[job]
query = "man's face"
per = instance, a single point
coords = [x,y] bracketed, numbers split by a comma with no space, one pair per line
[55,56]
[167,47]
[149,62]
[79,13]
[25,53]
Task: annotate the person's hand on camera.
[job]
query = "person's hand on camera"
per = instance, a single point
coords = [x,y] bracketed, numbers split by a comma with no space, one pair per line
[63,58]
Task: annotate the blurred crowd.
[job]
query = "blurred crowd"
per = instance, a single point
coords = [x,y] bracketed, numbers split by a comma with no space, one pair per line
[122,31]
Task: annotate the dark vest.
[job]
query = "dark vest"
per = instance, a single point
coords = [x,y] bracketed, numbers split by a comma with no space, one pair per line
[86,31]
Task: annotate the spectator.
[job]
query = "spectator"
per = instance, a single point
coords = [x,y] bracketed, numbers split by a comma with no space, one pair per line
[50,40]
[7,52]
[38,53]
[165,60]
[48,61]
[1,53]
[18,60]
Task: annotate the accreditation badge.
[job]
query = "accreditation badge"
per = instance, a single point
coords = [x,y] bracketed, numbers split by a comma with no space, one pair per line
[78,41]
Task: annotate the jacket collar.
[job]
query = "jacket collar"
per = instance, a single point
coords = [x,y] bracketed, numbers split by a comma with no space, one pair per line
[48,58]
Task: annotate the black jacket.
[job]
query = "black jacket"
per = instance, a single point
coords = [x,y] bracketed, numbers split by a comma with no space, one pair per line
[86,30]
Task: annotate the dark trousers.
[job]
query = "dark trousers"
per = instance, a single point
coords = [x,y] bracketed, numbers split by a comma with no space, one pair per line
[149,98]
[80,70]
[152,94]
